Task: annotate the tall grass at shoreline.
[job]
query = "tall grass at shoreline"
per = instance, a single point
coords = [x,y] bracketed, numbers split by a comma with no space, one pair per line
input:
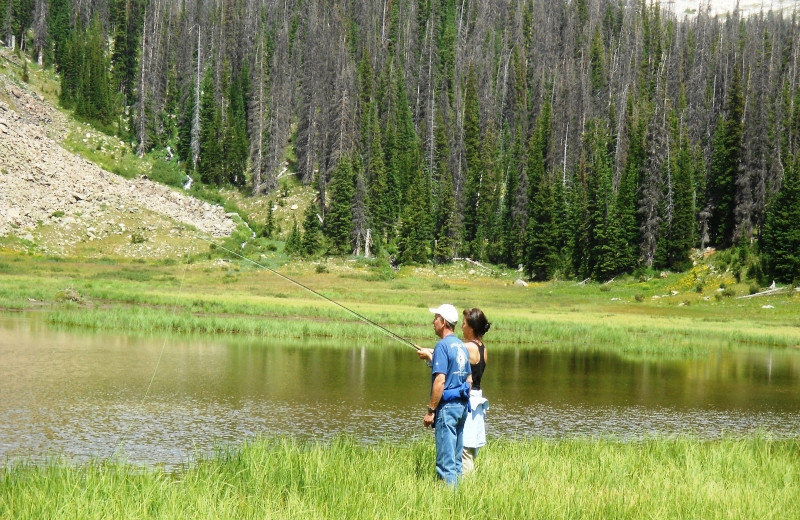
[206,298]
[550,331]
[534,478]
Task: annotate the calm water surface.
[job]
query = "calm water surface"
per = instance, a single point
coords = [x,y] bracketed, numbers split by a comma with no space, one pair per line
[89,395]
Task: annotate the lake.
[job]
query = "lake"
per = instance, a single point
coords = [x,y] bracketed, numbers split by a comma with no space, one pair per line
[155,400]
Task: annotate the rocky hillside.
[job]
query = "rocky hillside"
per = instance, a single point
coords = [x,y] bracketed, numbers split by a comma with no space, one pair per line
[58,203]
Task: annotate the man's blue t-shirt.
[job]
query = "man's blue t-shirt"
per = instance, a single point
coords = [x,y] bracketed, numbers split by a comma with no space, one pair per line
[451,358]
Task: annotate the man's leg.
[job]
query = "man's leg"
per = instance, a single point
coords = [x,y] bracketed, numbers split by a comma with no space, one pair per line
[448,460]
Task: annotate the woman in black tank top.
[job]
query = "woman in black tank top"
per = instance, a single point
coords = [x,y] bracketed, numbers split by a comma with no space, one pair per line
[473,327]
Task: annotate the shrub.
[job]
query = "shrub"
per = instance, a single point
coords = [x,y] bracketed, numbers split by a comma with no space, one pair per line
[129,171]
[168,173]
[68,295]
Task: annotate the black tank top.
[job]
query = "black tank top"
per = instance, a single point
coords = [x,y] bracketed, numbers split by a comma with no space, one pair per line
[477,370]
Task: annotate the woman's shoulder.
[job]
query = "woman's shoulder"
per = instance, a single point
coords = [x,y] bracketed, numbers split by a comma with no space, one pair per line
[474,353]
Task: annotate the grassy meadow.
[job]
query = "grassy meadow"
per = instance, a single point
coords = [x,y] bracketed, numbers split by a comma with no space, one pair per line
[680,314]
[677,315]
[535,478]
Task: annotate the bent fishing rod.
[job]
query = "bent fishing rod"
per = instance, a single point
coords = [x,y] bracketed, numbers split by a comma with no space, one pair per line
[363,318]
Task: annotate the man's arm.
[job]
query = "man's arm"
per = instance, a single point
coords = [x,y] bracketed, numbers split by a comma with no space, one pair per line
[436,396]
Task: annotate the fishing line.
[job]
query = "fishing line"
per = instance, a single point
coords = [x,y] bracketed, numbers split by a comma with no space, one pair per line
[312,291]
[158,362]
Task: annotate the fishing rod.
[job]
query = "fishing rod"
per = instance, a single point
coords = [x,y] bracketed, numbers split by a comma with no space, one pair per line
[363,318]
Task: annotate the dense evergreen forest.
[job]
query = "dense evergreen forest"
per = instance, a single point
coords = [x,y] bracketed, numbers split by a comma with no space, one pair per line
[574,138]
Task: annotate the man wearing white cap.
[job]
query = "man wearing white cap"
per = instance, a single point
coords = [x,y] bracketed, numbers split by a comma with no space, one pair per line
[450,371]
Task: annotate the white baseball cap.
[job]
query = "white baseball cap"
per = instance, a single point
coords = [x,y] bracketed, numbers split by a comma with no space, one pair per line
[446,311]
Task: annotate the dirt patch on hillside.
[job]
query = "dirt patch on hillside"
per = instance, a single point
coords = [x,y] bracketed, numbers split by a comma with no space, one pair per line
[59,203]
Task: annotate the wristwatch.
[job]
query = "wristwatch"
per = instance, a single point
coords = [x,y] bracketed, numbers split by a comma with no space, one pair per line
[431,410]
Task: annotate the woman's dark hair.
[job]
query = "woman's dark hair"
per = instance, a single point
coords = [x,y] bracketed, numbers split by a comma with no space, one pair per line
[476,319]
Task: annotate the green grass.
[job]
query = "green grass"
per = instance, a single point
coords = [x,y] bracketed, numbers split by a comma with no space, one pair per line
[211,296]
[535,478]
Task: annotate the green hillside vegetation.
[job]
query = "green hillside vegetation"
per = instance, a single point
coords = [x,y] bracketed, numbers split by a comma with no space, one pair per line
[577,140]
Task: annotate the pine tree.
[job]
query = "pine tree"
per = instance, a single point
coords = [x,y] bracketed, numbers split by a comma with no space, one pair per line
[446,46]
[381,199]
[119,56]
[294,240]
[780,239]
[678,235]
[597,72]
[446,224]
[603,230]
[626,202]
[269,227]
[446,230]
[406,153]
[577,225]
[58,33]
[392,199]
[541,256]
[236,143]
[489,211]
[561,219]
[135,23]
[725,165]
[472,157]
[311,245]
[85,81]
[209,165]
[540,253]
[515,211]
[338,219]
[72,65]
[414,234]
[184,145]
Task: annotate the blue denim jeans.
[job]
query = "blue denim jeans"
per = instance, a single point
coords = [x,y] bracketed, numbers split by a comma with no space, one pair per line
[449,423]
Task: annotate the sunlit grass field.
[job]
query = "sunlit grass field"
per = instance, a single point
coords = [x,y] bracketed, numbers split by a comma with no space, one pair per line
[658,316]
[535,478]
[232,296]
[221,296]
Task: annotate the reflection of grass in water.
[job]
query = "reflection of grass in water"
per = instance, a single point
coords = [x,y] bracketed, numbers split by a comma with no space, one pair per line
[536,478]
[230,298]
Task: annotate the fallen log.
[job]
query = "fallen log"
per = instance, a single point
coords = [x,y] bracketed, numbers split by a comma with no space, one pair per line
[776,290]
